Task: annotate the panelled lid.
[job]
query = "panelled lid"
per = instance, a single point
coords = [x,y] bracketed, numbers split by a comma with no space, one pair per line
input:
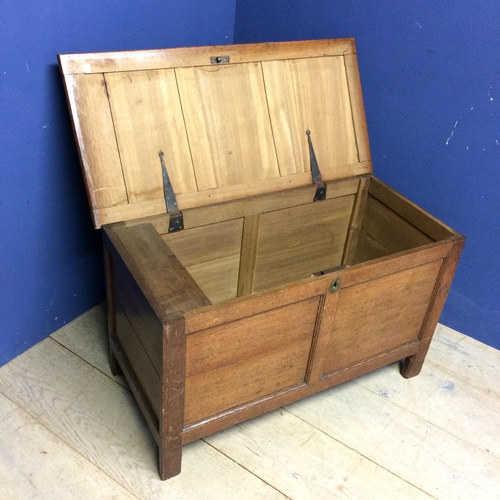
[231,121]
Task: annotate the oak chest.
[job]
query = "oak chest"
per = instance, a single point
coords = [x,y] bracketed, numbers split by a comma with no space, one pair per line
[252,258]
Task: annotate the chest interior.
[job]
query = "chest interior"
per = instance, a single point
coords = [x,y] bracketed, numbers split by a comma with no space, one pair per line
[245,246]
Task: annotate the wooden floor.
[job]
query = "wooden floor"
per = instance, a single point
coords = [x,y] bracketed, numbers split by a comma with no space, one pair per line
[70,430]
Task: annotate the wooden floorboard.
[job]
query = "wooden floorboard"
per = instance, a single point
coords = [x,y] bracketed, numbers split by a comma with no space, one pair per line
[37,464]
[72,430]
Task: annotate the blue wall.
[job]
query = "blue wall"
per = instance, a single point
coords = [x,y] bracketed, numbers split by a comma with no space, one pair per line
[430,71]
[50,256]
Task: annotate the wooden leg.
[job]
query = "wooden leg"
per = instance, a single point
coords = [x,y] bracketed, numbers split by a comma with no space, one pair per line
[172,417]
[412,365]
[108,266]
[113,362]
[170,463]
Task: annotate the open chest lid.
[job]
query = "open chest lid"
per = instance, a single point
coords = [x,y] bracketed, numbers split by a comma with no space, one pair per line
[230,120]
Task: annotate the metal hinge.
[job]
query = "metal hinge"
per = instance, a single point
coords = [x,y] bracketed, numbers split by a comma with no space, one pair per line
[316,174]
[176,218]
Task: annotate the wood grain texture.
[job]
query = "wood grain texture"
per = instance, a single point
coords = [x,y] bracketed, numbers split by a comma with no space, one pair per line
[34,463]
[297,93]
[381,314]
[412,448]
[133,311]
[435,434]
[231,140]
[200,56]
[228,131]
[389,229]
[249,245]
[206,243]
[460,350]
[98,418]
[87,337]
[100,159]
[138,210]
[321,341]
[163,280]
[149,413]
[218,279]
[147,117]
[250,205]
[304,463]
[355,223]
[146,377]
[218,314]
[266,404]
[218,377]
[413,365]
[457,389]
[173,390]
[211,255]
[411,212]
[357,107]
[253,205]
[296,242]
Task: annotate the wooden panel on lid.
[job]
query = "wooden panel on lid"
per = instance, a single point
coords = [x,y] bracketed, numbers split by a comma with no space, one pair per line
[148,118]
[311,94]
[227,122]
[95,135]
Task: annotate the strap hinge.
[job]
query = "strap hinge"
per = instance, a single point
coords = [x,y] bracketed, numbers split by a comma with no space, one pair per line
[176,218]
[316,174]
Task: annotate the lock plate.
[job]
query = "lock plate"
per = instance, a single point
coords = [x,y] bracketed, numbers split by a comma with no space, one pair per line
[334,285]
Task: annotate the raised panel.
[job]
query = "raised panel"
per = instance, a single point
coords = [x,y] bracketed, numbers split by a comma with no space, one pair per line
[296,242]
[311,94]
[211,254]
[148,119]
[228,124]
[96,138]
[375,316]
[244,360]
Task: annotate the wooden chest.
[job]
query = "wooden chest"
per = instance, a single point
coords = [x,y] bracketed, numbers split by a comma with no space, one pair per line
[252,258]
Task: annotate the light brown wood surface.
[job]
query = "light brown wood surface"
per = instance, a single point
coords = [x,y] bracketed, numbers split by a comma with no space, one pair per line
[296,242]
[228,131]
[228,124]
[211,255]
[271,356]
[200,56]
[389,314]
[98,150]
[311,94]
[380,436]
[147,117]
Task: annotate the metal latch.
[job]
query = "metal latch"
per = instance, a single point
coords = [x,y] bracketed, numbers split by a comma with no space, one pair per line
[176,219]
[219,59]
[316,174]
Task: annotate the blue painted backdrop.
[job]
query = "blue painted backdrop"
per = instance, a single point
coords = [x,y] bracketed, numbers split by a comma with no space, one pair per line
[50,256]
[430,71]
[431,79]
